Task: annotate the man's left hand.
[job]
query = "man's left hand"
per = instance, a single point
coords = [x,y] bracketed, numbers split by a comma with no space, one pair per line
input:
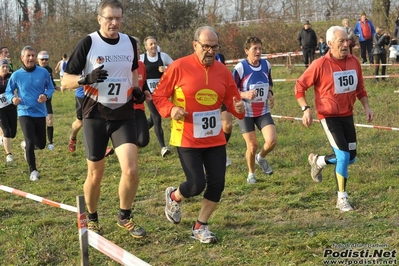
[42,98]
[239,105]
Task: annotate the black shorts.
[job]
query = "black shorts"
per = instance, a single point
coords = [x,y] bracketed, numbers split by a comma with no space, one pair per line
[97,132]
[49,107]
[248,123]
[78,107]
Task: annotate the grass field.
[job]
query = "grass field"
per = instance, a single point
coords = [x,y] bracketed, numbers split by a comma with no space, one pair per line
[285,219]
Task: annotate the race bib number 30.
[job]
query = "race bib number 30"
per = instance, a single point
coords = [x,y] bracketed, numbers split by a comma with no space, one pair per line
[345,81]
[207,124]
[112,92]
[3,100]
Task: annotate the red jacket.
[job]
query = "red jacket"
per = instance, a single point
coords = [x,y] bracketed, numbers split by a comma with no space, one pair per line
[200,91]
[336,83]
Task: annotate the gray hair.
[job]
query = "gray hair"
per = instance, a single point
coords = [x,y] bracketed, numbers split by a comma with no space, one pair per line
[27,48]
[330,34]
[204,28]
[108,3]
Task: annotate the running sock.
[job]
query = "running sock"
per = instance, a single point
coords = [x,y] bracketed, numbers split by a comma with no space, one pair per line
[50,133]
[173,196]
[342,194]
[73,138]
[227,136]
[93,217]
[321,162]
[124,214]
[198,224]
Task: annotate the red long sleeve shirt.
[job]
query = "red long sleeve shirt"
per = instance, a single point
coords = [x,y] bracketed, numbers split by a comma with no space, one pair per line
[336,83]
[199,90]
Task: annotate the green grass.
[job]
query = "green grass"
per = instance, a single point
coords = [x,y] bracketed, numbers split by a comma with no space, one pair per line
[285,219]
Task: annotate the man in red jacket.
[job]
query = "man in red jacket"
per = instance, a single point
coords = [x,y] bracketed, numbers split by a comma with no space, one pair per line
[198,85]
[338,80]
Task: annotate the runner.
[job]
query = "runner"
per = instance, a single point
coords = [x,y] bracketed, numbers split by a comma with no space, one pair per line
[8,112]
[156,63]
[109,63]
[194,110]
[253,77]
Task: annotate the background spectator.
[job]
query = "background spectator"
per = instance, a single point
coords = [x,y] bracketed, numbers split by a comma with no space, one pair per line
[351,35]
[307,40]
[365,31]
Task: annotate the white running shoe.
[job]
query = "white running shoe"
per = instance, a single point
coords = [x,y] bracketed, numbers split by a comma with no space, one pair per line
[344,205]
[263,164]
[34,176]
[251,178]
[50,146]
[203,235]
[315,170]
[165,151]
[228,161]
[9,158]
[172,208]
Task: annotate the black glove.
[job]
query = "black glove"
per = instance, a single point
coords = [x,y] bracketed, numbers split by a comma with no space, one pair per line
[96,76]
[138,94]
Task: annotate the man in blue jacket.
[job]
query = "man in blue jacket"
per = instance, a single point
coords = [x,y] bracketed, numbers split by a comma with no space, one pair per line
[364,30]
[29,88]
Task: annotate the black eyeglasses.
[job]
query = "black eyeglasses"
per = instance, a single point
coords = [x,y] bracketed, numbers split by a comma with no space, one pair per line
[43,59]
[207,47]
[108,19]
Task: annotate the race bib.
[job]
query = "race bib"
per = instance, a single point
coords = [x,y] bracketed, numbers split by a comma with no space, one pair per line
[3,100]
[345,81]
[113,90]
[152,84]
[207,124]
[262,90]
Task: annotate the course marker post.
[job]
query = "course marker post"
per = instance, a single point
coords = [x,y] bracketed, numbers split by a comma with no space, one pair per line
[83,235]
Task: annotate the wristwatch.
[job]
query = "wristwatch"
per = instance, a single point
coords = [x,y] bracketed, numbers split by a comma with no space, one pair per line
[305,107]
[82,80]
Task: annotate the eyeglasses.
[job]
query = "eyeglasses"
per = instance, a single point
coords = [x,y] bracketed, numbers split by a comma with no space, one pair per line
[117,19]
[43,59]
[207,47]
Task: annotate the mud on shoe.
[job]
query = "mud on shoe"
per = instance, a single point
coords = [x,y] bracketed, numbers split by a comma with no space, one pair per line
[95,227]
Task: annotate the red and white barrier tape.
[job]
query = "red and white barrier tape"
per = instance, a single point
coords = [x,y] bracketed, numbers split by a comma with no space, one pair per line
[37,198]
[356,125]
[96,241]
[113,251]
[365,77]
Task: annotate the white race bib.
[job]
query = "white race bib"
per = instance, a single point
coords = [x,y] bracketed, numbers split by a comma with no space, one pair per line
[262,90]
[152,84]
[112,90]
[3,100]
[345,81]
[207,124]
